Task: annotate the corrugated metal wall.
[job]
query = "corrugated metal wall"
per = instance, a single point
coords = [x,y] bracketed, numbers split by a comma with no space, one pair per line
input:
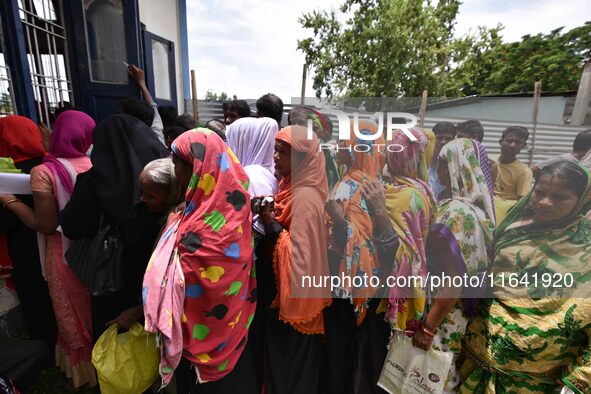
[550,140]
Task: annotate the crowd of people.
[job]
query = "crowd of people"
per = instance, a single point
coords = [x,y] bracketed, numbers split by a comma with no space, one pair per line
[215,225]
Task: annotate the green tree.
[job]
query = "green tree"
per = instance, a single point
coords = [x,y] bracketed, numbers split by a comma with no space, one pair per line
[557,59]
[390,48]
[5,104]
[210,96]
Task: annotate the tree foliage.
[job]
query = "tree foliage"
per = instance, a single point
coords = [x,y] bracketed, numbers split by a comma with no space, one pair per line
[557,59]
[391,48]
[223,96]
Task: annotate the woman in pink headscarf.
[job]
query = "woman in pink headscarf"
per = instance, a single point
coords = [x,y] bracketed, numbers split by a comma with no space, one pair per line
[52,184]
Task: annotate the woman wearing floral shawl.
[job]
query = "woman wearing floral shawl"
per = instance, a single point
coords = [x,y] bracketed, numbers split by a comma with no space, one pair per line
[458,242]
[205,257]
[534,335]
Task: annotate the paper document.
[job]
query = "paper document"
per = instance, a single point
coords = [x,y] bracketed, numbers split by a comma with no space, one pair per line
[15,183]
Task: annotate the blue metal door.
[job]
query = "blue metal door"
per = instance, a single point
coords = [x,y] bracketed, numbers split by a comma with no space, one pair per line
[106,39]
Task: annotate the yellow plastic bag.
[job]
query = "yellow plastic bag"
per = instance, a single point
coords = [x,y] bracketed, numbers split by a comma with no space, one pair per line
[126,363]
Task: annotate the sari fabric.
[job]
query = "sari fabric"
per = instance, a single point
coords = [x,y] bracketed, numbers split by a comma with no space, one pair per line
[70,139]
[430,147]
[360,258]
[466,221]
[530,336]
[411,206]
[210,295]
[302,247]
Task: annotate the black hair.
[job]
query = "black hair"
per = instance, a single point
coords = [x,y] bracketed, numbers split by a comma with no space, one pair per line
[65,106]
[445,128]
[218,127]
[186,121]
[567,171]
[168,114]
[138,109]
[520,131]
[270,106]
[582,142]
[174,131]
[472,126]
[239,106]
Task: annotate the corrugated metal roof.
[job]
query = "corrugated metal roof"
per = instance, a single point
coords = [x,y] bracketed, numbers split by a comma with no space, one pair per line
[550,140]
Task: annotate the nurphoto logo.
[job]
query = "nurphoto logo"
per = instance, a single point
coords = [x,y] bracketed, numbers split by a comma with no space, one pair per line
[365,138]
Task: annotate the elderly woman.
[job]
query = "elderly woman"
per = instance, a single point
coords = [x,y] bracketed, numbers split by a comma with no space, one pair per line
[53,183]
[159,186]
[533,336]
[205,256]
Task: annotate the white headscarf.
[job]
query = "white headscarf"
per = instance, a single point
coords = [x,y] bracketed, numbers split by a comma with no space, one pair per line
[253,142]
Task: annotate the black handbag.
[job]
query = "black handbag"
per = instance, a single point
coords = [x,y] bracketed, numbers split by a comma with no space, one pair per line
[97,260]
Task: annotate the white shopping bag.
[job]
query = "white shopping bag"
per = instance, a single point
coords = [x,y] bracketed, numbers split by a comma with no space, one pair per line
[410,370]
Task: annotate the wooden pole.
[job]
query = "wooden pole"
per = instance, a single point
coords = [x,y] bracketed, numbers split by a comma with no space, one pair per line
[423,109]
[537,94]
[304,76]
[194,96]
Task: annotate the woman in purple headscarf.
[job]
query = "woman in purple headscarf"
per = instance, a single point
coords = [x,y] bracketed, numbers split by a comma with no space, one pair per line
[52,184]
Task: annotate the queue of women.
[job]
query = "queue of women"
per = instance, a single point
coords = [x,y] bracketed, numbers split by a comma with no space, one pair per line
[217,234]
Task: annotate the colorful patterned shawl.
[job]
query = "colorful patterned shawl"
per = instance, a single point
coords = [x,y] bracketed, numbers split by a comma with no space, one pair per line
[529,336]
[467,220]
[203,285]
[360,256]
[411,206]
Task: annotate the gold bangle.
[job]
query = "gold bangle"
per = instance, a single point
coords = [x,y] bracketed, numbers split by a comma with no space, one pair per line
[11,201]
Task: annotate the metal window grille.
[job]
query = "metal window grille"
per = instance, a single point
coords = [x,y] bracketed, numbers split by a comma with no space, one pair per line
[7,105]
[45,39]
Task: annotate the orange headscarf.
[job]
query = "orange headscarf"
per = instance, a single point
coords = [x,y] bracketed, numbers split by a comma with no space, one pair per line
[302,247]
[360,257]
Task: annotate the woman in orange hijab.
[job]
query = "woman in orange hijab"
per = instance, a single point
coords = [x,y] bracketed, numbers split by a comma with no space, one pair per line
[295,324]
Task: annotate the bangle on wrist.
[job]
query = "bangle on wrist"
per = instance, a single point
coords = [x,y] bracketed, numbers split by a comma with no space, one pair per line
[428,332]
[10,202]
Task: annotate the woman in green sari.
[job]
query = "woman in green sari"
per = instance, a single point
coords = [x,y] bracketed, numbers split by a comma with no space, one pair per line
[535,337]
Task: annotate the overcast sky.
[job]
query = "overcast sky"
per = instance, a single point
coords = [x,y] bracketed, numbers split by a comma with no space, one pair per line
[248,47]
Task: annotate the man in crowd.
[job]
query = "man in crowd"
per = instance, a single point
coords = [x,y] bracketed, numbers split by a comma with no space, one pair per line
[234,110]
[444,133]
[270,106]
[514,178]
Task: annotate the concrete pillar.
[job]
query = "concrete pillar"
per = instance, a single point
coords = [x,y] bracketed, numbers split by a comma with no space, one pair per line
[583,95]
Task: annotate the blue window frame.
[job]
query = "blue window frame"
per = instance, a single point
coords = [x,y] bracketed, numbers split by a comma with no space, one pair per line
[160,69]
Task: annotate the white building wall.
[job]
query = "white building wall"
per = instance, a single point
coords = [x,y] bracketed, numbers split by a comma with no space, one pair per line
[161,17]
